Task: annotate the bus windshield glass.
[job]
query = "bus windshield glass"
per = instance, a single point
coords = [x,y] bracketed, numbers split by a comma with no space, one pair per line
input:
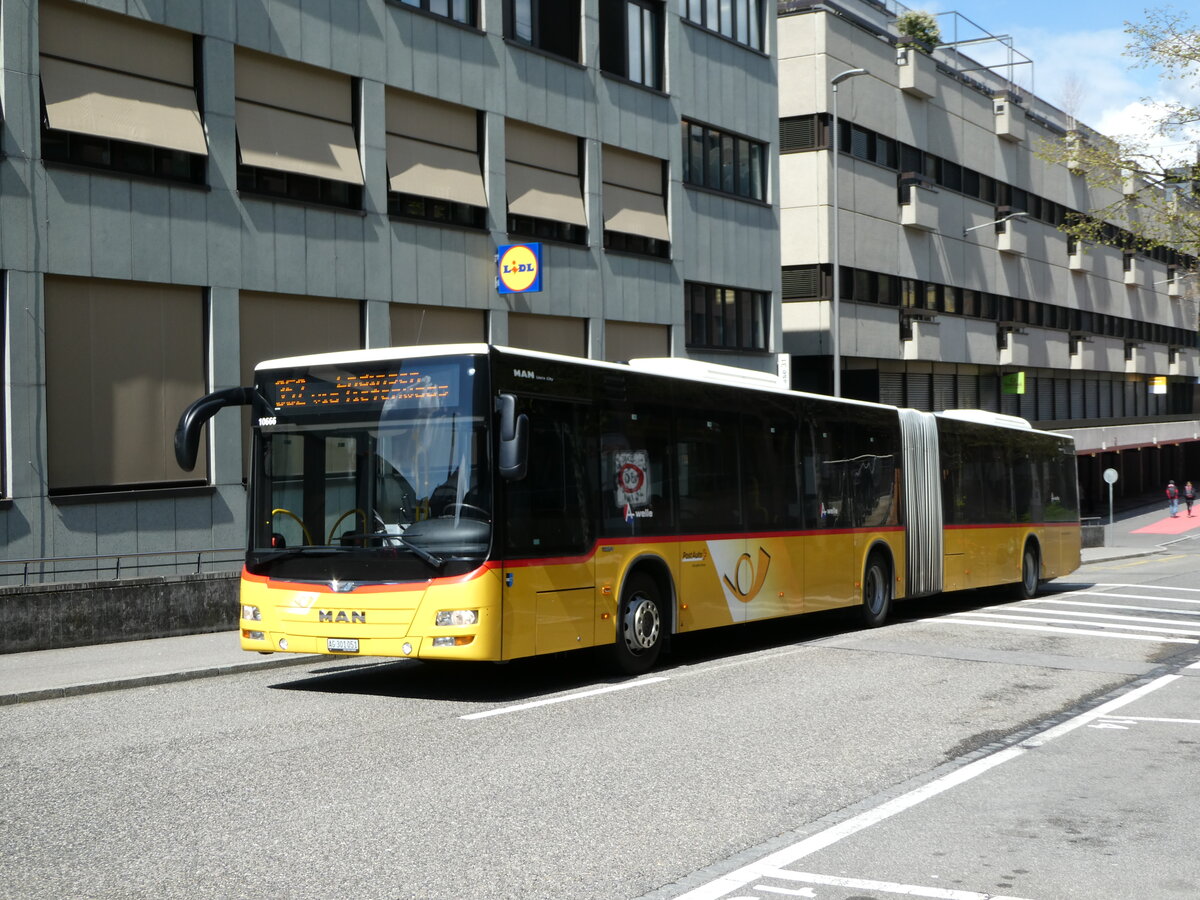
[372,471]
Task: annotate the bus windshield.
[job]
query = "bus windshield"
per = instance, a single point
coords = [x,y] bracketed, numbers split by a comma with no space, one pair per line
[374,472]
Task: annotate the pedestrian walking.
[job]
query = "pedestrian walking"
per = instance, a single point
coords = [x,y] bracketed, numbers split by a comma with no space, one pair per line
[1173,498]
[1189,497]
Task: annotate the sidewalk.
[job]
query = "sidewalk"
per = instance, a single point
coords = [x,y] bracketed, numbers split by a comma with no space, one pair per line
[46,674]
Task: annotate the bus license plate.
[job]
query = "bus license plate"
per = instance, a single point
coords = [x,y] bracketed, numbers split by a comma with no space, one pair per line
[341,645]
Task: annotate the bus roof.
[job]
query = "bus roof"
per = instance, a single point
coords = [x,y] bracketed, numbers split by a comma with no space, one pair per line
[670,366]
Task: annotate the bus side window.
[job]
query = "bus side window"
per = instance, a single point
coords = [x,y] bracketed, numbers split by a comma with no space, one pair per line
[548,510]
[707,474]
[771,473]
[633,472]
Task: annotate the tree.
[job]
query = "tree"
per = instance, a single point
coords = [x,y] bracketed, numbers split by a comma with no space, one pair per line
[1156,194]
[922,27]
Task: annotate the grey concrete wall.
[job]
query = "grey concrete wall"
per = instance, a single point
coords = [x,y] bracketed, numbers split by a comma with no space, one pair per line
[50,616]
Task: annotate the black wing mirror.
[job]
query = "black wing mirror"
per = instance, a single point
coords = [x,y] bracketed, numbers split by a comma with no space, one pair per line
[514,439]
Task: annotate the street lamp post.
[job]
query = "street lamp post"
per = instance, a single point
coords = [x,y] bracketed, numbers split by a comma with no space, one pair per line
[835,337]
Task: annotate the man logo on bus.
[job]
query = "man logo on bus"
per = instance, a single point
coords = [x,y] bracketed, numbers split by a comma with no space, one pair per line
[748,579]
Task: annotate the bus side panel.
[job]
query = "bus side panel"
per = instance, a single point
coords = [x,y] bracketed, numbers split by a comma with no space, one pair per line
[1061,554]
[549,606]
[980,556]
[832,573]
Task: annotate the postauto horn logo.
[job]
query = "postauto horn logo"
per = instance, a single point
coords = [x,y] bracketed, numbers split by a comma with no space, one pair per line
[519,268]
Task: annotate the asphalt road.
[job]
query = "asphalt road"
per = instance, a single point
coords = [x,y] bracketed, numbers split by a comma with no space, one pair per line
[802,758]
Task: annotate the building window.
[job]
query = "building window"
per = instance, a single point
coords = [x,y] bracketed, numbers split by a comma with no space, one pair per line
[810,132]
[724,162]
[550,25]
[544,172]
[635,211]
[458,10]
[724,318]
[122,360]
[119,94]
[631,40]
[295,131]
[738,20]
[434,168]
[274,326]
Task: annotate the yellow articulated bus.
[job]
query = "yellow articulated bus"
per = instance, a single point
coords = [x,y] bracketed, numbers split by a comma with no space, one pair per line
[484,503]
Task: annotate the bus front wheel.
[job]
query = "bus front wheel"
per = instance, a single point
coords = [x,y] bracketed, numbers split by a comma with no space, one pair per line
[640,626]
[877,591]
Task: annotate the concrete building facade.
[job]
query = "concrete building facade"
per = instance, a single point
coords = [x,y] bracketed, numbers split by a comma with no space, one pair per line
[957,287]
[187,188]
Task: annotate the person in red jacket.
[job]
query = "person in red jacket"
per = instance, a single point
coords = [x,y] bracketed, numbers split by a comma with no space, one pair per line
[1173,498]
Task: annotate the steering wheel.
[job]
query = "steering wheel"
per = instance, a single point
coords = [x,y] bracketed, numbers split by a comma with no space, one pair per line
[287,512]
[451,509]
[342,518]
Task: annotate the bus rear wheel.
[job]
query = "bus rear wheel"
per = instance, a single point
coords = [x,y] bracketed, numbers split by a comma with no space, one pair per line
[1027,587]
[640,626]
[877,591]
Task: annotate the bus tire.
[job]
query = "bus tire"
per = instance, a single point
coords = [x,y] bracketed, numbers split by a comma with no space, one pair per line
[1031,569]
[641,624]
[877,590]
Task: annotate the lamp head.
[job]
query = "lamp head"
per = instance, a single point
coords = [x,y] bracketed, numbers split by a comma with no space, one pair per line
[842,76]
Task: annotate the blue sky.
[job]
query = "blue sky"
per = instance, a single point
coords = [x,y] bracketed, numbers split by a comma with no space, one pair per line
[1077,50]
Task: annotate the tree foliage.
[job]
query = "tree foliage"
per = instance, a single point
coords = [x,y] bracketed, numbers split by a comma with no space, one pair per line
[921,27]
[1153,195]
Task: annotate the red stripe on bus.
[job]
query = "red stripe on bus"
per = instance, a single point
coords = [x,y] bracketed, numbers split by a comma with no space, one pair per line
[684,538]
[374,588]
[1014,525]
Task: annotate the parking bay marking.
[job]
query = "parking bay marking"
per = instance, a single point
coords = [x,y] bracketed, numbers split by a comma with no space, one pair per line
[739,878]
[863,884]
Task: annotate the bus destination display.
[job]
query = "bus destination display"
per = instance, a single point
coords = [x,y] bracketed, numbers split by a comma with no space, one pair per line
[409,387]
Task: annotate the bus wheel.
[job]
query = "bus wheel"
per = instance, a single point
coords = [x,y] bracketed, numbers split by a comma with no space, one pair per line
[877,591]
[640,626]
[1027,587]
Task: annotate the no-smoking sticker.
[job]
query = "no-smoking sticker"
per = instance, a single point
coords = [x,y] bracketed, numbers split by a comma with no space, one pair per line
[633,479]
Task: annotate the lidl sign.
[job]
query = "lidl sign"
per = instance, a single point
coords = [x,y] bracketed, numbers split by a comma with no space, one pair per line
[519,268]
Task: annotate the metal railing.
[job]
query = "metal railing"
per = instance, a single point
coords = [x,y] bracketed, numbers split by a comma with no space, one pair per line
[236,555]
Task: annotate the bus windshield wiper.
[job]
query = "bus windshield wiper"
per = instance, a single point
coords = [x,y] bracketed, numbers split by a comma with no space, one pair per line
[395,539]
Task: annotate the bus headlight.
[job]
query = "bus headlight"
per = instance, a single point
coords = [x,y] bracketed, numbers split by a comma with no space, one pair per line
[251,613]
[458,617]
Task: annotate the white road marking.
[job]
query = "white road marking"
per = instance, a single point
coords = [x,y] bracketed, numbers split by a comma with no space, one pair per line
[1123,618]
[579,695]
[1157,597]
[888,887]
[1174,612]
[1159,719]
[1078,632]
[1049,620]
[771,864]
[1142,586]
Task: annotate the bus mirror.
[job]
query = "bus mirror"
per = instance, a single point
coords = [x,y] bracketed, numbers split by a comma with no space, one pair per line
[514,439]
[187,432]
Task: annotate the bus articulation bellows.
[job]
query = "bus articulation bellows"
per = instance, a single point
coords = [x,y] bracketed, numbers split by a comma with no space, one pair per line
[475,502]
